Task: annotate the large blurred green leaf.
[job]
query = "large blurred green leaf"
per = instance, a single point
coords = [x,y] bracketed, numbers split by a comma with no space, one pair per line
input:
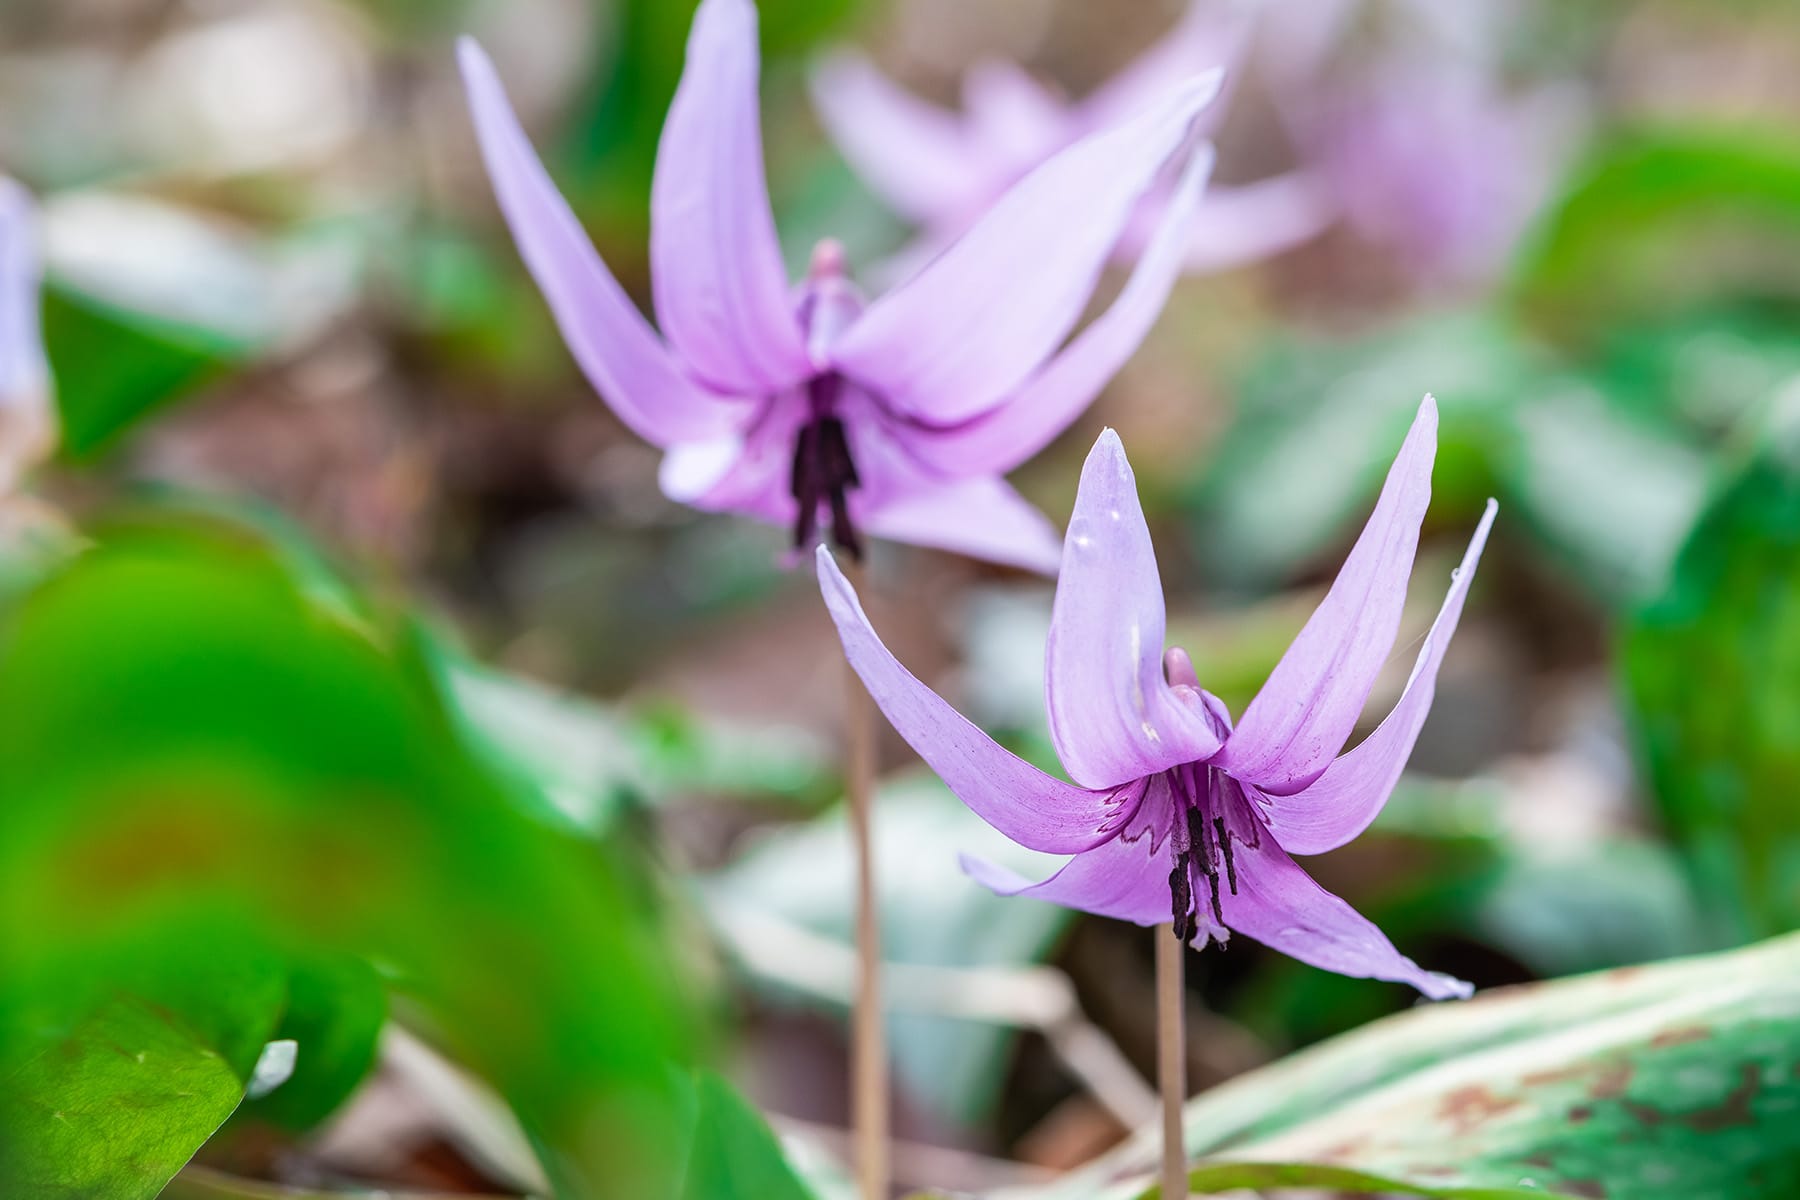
[1679,1081]
[1606,482]
[1607,493]
[1711,670]
[1662,219]
[196,728]
[1318,423]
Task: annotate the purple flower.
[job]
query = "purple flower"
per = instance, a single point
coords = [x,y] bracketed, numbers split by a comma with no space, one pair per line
[798,405]
[1441,166]
[1174,813]
[941,169]
[1424,148]
[27,420]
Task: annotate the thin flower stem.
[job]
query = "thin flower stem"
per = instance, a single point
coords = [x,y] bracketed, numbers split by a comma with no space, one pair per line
[868,1041]
[1171,1060]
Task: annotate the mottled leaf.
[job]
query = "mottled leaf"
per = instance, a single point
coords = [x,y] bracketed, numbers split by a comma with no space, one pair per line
[1678,1081]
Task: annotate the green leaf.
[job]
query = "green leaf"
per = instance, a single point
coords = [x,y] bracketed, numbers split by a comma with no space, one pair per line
[1319,422]
[1606,478]
[581,763]
[198,728]
[1660,220]
[1711,673]
[115,1103]
[733,1155]
[1609,494]
[114,367]
[1679,1081]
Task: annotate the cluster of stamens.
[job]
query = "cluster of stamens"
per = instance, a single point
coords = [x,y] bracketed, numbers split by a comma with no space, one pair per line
[1202,846]
[824,472]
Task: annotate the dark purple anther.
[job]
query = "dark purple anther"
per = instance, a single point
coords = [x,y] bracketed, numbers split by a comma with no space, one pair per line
[824,473]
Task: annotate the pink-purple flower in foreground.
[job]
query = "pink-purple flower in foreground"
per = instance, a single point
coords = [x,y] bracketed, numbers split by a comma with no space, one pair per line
[941,169]
[27,419]
[801,405]
[1174,813]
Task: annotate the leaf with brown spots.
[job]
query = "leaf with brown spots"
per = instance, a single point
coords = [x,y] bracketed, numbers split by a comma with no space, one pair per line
[1680,1081]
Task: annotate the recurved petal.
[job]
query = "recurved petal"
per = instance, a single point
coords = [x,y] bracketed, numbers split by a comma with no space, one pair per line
[616,348]
[1116,879]
[1014,432]
[721,291]
[1113,718]
[983,518]
[1341,802]
[1014,797]
[1300,720]
[748,475]
[1126,877]
[913,154]
[954,340]
[1282,907]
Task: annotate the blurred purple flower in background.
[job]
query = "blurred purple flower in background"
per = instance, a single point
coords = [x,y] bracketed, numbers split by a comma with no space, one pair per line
[898,416]
[1174,814]
[27,419]
[1423,146]
[1441,167]
[941,169]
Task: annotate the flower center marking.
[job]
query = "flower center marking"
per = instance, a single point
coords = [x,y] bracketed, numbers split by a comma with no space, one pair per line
[1202,844]
[824,471]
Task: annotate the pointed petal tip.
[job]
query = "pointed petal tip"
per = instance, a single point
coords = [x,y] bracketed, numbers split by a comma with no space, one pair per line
[1297,724]
[1109,455]
[473,61]
[1113,717]
[740,12]
[16,203]
[1428,413]
[1435,986]
[1200,90]
[832,581]
[995,878]
[1478,539]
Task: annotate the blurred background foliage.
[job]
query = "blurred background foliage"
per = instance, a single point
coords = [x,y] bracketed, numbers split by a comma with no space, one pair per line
[363,692]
